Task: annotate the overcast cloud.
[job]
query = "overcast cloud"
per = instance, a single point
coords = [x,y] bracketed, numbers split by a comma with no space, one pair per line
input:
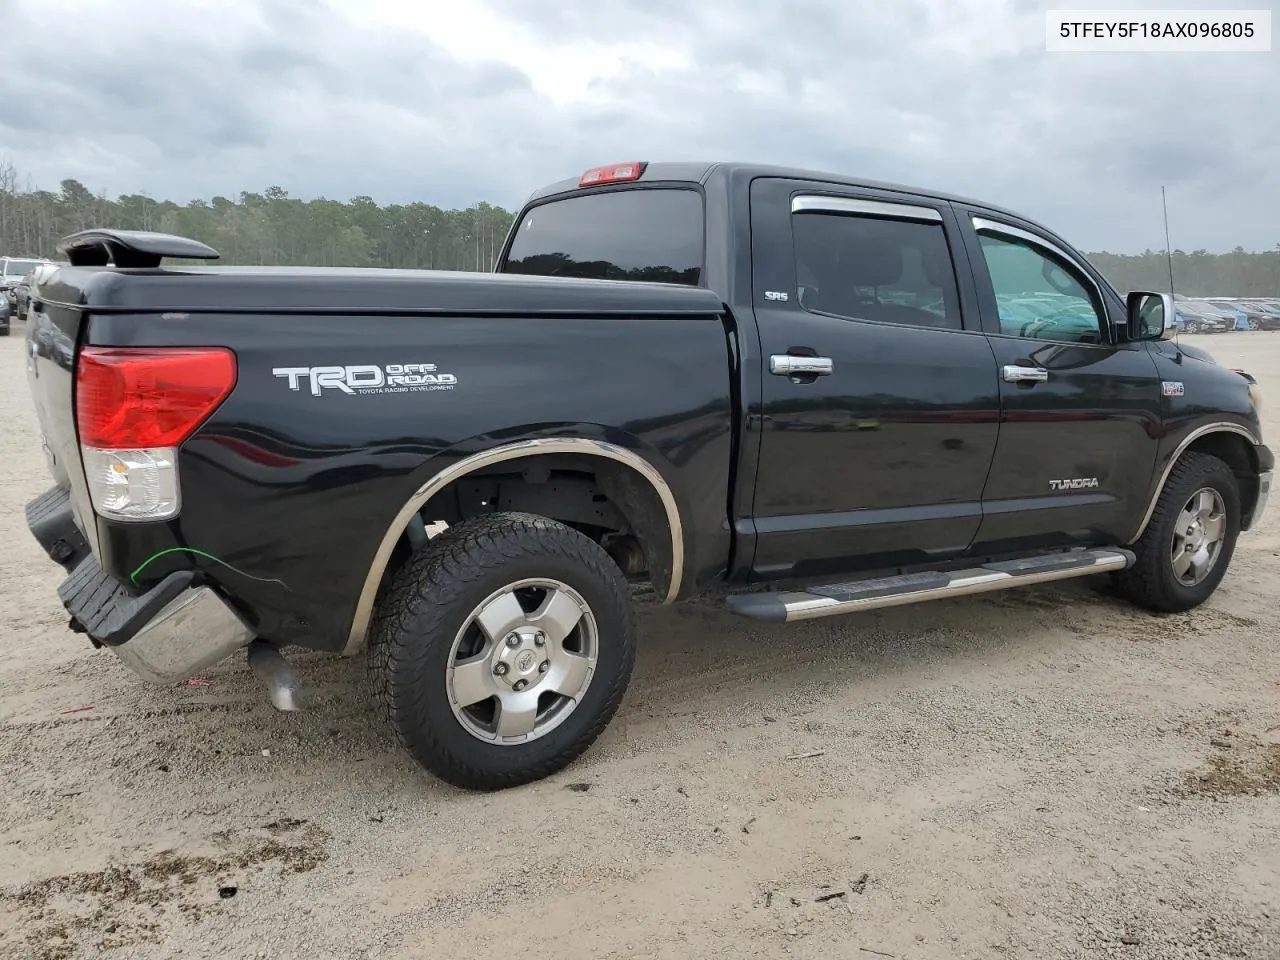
[456,101]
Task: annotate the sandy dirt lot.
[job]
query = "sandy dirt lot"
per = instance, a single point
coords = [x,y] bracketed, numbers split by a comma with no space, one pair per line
[1046,773]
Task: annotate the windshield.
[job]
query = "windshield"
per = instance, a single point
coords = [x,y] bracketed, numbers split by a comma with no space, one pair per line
[20,268]
[637,234]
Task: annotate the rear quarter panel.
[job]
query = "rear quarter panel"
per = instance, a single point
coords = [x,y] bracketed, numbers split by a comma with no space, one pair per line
[295,491]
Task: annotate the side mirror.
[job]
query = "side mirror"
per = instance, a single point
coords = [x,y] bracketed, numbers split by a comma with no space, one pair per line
[1150,315]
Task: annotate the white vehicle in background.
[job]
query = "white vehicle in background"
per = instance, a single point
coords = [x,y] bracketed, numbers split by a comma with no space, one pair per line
[13,269]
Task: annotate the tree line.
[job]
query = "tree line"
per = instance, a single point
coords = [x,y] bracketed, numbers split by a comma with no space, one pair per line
[272,228]
[268,228]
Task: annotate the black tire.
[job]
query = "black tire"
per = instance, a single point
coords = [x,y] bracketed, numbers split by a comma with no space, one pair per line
[1151,581]
[426,607]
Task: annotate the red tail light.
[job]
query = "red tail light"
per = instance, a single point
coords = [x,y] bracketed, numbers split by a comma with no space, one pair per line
[133,398]
[613,173]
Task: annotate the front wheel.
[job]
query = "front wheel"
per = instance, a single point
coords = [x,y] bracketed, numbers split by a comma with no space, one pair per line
[502,649]
[1183,554]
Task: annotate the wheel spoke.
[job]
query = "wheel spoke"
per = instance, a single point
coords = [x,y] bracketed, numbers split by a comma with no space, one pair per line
[557,616]
[1181,565]
[1215,528]
[516,713]
[1205,503]
[1199,563]
[569,673]
[523,664]
[472,682]
[500,616]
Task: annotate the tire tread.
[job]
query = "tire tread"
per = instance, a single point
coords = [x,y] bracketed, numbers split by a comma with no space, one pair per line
[1149,582]
[421,598]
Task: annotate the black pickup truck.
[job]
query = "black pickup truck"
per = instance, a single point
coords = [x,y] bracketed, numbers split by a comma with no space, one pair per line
[815,394]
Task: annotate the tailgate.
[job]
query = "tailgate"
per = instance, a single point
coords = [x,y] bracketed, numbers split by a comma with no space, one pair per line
[52,333]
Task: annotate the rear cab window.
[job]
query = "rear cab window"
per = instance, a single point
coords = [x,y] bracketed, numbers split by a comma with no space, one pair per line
[652,234]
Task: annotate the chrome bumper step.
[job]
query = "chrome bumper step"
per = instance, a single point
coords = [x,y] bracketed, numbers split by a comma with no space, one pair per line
[832,599]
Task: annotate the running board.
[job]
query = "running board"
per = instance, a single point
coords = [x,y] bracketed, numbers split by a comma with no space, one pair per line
[831,599]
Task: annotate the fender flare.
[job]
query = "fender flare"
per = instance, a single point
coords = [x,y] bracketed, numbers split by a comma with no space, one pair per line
[487,458]
[1187,441]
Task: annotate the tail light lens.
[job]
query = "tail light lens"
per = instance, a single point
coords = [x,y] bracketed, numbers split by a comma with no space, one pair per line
[134,408]
[148,397]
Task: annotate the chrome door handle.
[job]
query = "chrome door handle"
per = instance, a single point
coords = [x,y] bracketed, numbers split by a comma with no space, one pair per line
[786,365]
[1016,374]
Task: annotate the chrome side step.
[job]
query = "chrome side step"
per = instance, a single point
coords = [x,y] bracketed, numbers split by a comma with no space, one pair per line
[832,599]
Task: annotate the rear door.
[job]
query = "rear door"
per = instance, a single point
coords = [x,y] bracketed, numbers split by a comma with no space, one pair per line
[1080,411]
[879,396]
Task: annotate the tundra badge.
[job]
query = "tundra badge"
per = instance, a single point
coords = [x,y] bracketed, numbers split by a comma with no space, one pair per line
[1079,483]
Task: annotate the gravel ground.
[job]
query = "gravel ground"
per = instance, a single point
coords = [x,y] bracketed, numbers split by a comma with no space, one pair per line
[1045,773]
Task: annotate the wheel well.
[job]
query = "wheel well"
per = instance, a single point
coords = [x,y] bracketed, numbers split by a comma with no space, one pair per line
[607,501]
[1236,452]
[1232,449]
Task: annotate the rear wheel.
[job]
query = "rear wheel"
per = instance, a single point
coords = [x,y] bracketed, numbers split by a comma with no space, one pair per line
[1183,554]
[502,649]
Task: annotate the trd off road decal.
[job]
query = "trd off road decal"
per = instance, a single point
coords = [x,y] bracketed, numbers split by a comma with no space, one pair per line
[368,378]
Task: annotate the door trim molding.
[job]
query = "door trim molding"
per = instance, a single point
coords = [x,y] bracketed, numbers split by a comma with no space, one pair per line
[873,208]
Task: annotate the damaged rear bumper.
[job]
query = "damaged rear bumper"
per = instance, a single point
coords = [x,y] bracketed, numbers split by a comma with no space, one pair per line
[164,634]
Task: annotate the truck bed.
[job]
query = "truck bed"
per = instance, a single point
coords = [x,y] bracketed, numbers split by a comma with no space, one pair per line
[289,487]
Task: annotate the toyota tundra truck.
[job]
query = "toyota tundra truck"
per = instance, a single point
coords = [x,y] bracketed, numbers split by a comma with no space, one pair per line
[810,394]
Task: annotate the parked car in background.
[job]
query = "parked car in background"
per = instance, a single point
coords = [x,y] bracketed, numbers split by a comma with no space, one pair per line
[1186,320]
[1209,317]
[12,270]
[1259,314]
[20,297]
[1235,313]
[22,292]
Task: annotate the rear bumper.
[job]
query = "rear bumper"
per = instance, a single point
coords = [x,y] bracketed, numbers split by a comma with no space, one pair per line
[164,634]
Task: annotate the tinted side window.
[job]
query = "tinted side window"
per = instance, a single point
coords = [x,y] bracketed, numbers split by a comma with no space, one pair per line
[653,234]
[868,268]
[1037,297]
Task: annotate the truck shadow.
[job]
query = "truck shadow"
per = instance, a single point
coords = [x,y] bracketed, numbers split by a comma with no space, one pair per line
[695,660]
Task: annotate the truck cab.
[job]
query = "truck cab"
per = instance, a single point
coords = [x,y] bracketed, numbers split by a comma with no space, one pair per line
[921,377]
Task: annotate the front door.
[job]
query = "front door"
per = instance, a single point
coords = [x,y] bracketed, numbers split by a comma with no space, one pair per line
[879,396]
[1080,409]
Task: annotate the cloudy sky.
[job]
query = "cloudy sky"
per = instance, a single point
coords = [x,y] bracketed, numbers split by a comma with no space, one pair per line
[455,101]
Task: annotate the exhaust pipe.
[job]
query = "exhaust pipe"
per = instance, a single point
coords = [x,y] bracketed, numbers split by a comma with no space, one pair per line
[283,685]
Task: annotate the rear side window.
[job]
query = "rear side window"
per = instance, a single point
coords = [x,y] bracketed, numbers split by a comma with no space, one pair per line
[653,235]
[882,270]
